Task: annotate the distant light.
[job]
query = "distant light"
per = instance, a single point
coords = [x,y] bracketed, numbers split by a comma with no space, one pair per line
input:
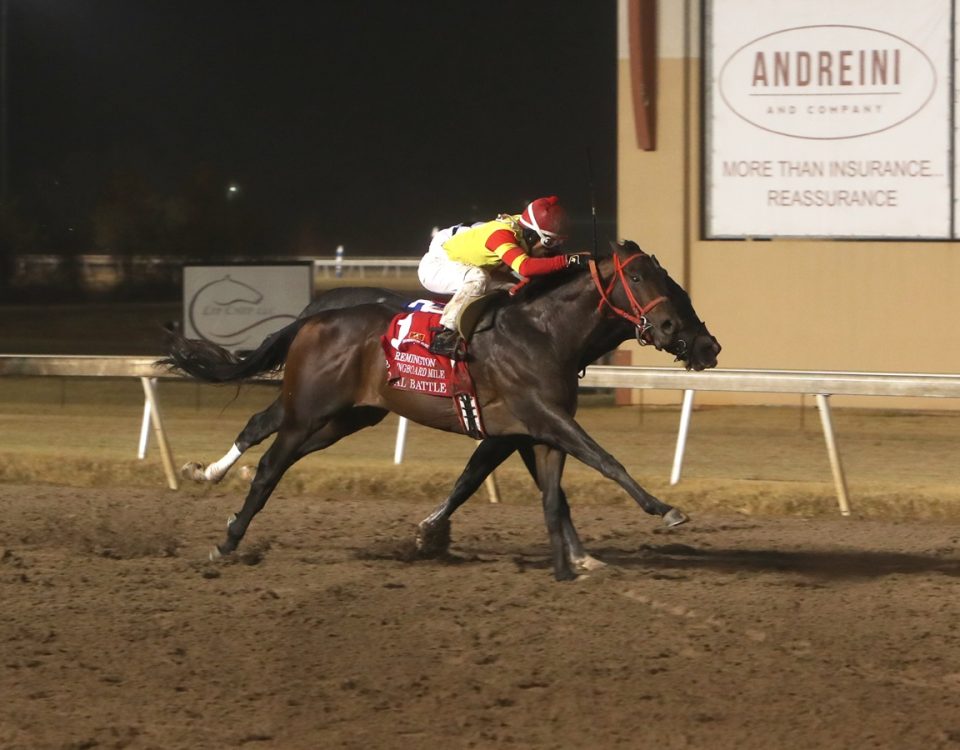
[233,190]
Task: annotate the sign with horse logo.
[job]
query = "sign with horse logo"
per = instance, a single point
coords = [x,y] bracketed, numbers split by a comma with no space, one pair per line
[237,306]
[828,119]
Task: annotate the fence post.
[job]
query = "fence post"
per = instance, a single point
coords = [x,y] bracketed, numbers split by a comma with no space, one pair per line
[401,441]
[682,436]
[150,391]
[145,426]
[839,480]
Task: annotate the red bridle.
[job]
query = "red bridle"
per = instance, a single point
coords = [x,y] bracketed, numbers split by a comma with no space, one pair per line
[638,316]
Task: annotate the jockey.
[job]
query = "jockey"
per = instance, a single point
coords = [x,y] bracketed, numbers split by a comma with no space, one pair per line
[467,261]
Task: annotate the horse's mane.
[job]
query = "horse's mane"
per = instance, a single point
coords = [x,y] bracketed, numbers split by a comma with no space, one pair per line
[679,297]
[538,286]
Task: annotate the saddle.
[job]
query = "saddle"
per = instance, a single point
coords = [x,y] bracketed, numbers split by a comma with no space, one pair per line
[412,367]
[473,316]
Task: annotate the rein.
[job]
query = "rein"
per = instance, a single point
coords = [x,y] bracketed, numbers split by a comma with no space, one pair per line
[638,314]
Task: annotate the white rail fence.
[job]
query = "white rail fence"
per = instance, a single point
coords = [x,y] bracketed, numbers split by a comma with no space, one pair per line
[821,385]
[361,267]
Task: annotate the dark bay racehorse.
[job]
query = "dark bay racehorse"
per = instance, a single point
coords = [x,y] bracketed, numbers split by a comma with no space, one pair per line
[524,362]
[696,348]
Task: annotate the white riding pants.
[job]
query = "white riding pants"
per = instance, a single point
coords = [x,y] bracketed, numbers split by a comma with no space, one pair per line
[441,275]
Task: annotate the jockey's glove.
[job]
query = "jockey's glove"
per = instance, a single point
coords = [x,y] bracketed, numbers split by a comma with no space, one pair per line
[577,260]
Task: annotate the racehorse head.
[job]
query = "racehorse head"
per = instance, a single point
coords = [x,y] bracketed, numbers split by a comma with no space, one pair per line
[642,292]
[632,285]
[695,346]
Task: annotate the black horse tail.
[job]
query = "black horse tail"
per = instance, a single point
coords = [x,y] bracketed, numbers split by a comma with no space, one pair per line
[207,361]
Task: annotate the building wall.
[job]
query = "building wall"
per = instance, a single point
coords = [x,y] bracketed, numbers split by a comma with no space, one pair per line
[778,304]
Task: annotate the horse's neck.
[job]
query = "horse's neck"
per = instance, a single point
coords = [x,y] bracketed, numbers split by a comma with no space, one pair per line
[570,315]
[614,333]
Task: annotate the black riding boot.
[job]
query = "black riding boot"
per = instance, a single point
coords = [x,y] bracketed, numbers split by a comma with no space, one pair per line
[446,343]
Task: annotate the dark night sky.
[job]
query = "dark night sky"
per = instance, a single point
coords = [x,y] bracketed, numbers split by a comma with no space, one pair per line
[362,123]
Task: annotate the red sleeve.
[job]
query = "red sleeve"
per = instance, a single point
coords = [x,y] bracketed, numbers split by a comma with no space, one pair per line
[539,266]
[499,238]
[504,244]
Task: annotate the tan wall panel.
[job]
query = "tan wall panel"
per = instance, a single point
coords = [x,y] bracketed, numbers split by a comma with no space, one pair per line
[650,195]
[782,304]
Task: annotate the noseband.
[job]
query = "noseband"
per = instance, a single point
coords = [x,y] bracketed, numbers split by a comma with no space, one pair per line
[638,313]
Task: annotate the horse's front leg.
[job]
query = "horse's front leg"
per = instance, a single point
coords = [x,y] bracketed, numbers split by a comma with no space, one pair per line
[560,430]
[577,555]
[549,470]
[433,532]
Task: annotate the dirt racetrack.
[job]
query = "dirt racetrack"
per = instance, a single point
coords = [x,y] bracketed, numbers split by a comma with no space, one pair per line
[732,632]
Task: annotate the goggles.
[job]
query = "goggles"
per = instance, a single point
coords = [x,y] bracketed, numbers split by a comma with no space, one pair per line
[550,241]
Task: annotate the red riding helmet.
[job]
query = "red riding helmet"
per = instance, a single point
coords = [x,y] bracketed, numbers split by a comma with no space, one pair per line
[546,217]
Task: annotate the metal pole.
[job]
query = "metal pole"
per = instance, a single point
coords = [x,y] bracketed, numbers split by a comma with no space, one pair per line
[401,440]
[145,426]
[492,490]
[150,391]
[836,466]
[682,436]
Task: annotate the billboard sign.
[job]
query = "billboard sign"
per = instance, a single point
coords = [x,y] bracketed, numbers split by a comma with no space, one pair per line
[828,119]
[237,306]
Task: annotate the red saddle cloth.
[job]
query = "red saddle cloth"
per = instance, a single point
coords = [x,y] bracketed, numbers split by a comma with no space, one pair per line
[411,366]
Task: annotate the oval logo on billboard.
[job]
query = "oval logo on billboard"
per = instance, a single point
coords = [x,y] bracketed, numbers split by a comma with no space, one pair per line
[827,82]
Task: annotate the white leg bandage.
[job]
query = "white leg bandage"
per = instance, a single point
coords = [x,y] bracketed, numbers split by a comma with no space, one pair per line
[216,471]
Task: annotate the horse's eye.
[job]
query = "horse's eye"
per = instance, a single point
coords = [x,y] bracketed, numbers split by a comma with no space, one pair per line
[636,279]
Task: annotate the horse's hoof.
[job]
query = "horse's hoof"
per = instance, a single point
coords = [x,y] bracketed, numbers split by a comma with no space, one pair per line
[247,472]
[215,554]
[674,517]
[587,563]
[565,575]
[193,471]
[433,540]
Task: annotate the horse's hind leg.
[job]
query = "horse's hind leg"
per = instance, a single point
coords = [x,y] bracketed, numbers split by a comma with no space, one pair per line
[345,423]
[280,456]
[433,532]
[258,428]
[287,449]
[577,555]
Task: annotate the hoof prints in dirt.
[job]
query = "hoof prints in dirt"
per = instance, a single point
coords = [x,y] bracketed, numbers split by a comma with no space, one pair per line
[405,551]
[112,533]
[170,548]
[114,546]
[253,554]
[827,565]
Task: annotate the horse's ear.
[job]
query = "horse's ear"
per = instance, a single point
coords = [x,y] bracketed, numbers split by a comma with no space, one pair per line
[605,251]
[630,247]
